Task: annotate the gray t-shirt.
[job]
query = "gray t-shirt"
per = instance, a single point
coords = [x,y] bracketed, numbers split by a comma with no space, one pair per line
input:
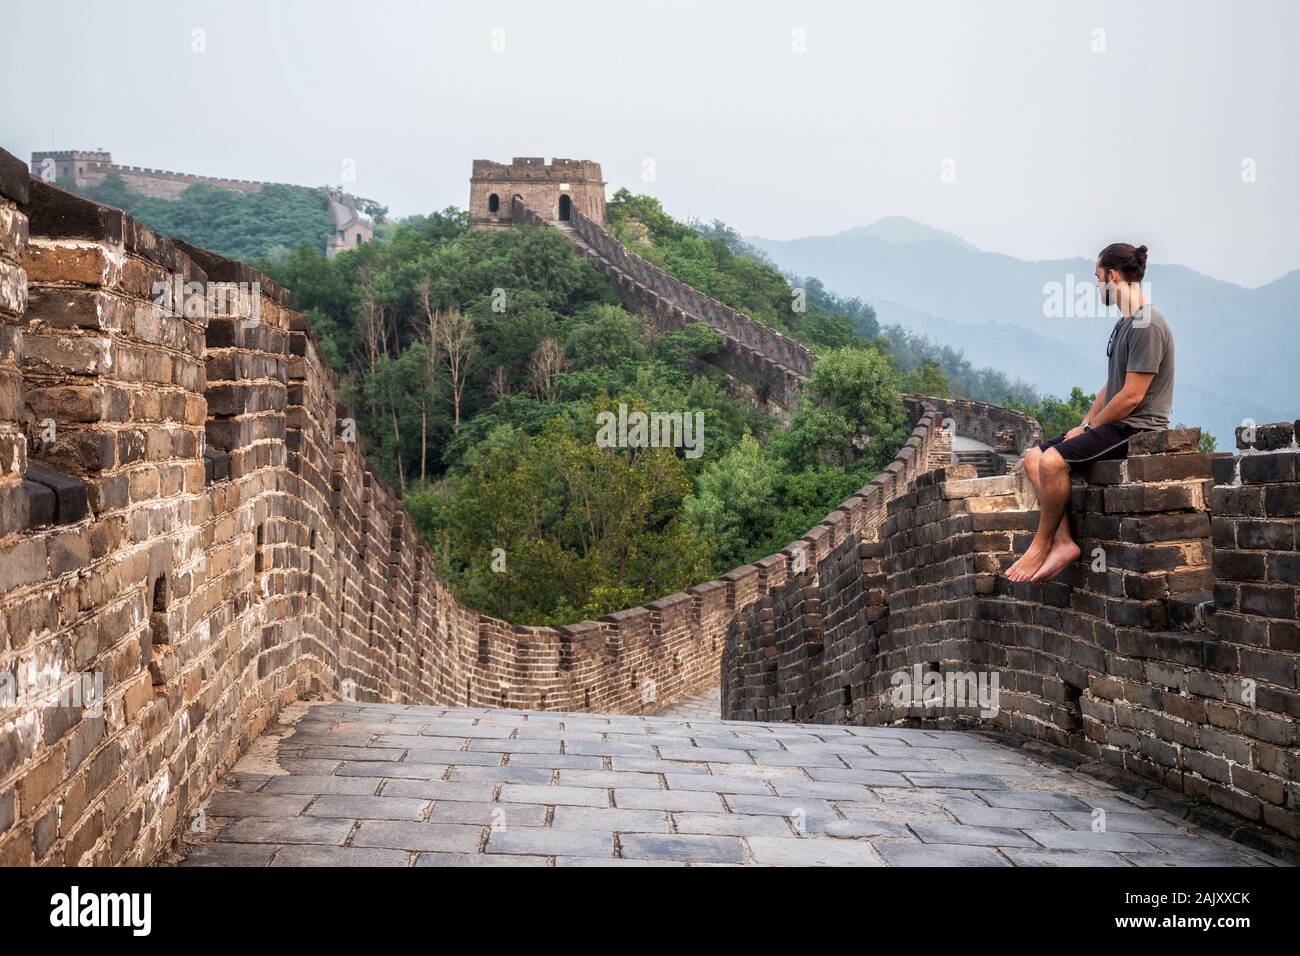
[1144,343]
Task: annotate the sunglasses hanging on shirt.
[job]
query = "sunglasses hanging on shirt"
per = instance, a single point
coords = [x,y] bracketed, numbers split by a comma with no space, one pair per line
[1114,334]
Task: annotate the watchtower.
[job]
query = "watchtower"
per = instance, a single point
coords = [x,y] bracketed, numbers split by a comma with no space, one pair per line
[552,190]
[71,167]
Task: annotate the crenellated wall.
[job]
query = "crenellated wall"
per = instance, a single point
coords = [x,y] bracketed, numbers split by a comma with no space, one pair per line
[1170,651]
[1006,431]
[189,542]
[83,168]
[768,365]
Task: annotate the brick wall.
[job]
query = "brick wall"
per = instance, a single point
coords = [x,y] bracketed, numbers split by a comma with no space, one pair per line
[769,363]
[13,302]
[84,169]
[1170,651]
[1006,431]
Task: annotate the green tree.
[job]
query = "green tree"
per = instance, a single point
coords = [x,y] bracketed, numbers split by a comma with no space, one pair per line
[851,415]
[604,335]
[581,529]
[928,379]
[735,504]
[715,260]
[1055,415]
[234,224]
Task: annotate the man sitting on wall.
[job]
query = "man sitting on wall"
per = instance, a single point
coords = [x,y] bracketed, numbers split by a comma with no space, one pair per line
[1138,396]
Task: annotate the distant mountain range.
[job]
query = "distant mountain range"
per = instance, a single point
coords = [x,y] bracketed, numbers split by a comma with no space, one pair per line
[1236,347]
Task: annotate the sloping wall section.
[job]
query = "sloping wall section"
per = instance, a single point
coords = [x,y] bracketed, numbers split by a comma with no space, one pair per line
[768,365]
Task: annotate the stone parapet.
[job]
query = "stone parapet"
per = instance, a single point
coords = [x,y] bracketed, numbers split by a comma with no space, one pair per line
[1168,651]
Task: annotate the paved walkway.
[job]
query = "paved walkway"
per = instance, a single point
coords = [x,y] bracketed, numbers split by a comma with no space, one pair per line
[368,784]
[703,706]
[965,443]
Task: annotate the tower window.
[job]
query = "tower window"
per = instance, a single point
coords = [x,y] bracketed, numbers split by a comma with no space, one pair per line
[494,202]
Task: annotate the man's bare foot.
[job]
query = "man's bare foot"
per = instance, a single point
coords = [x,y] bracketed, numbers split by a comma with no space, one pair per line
[1029,563]
[1058,559]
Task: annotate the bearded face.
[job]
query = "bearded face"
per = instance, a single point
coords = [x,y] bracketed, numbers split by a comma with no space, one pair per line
[1105,288]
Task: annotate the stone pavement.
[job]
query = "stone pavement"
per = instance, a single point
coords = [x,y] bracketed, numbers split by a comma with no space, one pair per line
[703,706]
[389,785]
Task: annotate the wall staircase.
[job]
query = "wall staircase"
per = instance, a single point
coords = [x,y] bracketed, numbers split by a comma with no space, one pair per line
[988,463]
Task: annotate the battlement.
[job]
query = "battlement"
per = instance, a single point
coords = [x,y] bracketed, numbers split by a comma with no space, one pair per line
[536,168]
[553,190]
[90,155]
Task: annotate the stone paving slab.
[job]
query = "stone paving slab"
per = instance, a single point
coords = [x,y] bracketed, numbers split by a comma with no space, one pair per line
[613,819]
[540,841]
[236,804]
[479,859]
[489,814]
[339,856]
[391,785]
[683,847]
[404,835]
[368,808]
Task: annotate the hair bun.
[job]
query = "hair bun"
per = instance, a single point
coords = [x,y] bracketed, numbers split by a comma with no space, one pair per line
[1128,261]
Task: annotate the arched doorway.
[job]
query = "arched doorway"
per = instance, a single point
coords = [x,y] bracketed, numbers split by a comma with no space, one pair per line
[565,206]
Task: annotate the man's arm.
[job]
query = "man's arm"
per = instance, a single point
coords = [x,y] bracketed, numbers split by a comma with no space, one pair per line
[1127,399]
[1098,404]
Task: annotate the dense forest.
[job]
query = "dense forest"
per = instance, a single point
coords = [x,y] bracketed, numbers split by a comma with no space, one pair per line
[479,364]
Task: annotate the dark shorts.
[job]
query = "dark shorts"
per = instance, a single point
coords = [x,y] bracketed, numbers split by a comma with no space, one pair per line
[1100,444]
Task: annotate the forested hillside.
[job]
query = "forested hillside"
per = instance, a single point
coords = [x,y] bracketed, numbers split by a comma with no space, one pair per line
[712,259]
[238,225]
[478,363]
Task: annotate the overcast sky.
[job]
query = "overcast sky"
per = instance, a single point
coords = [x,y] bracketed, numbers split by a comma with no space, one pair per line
[784,119]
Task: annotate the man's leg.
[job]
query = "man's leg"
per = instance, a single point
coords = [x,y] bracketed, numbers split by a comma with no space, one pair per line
[1054,477]
[1053,535]
[1032,459]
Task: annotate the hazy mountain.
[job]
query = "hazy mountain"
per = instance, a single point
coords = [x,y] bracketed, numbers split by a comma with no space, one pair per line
[900,229]
[1038,320]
